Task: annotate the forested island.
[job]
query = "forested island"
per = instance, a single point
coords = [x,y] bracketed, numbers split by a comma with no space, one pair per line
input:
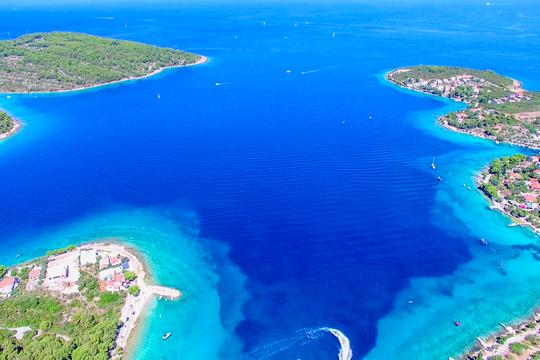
[62,61]
[498,107]
[74,303]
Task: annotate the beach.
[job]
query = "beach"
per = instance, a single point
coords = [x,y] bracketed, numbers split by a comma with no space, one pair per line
[134,305]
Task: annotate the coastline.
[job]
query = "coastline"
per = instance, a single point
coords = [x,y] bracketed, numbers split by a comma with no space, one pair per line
[490,344]
[133,310]
[202,59]
[17,126]
[509,143]
[495,206]
[388,77]
[134,338]
[130,320]
[499,343]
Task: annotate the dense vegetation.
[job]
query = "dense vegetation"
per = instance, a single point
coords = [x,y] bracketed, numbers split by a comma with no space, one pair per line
[72,329]
[6,123]
[444,72]
[533,104]
[498,107]
[62,61]
[60,251]
[472,120]
[75,327]
[508,180]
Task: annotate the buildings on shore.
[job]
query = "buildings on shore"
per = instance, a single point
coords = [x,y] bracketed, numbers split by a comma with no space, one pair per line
[60,273]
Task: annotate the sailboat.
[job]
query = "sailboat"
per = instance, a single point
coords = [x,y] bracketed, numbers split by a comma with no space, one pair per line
[433,164]
[158,96]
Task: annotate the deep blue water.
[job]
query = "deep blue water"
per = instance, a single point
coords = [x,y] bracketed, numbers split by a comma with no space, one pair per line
[308,194]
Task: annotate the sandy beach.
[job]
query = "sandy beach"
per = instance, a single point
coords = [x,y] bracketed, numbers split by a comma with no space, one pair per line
[134,305]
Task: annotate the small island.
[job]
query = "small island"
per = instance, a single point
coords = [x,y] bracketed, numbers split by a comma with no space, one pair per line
[64,61]
[79,302]
[498,107]
[512,186]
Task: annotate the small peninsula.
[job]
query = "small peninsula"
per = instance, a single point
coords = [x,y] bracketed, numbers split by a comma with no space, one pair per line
[8,125]
[498,107]
[511,184]
[64,61]
[79,302]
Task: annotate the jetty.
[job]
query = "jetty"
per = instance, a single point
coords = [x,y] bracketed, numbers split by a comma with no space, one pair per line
[167,292]
[134,305]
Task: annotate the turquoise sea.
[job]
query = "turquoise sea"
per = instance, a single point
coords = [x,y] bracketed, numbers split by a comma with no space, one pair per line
[283,186]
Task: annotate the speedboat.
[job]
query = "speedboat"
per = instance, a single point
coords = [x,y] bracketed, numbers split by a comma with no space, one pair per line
[166,336]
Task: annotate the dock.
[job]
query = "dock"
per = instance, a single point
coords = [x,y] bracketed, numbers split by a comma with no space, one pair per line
[170,293]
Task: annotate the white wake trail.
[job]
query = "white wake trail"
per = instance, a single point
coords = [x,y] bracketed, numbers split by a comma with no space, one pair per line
[345,351]
[300,338]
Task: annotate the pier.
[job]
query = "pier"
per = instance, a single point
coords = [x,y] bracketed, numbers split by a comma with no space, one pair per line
[170,293]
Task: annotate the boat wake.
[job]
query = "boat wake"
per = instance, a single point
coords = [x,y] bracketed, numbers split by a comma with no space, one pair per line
[345,351]
[300,338]
[321,69]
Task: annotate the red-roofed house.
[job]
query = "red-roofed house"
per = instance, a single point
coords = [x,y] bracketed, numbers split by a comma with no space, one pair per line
[530,199]
[115,284]
[534,184]
[34,273]
[7,285]
[115,260]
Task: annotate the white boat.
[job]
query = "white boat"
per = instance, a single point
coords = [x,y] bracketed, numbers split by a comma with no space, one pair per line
[166,336]
[433,166]
[158,96]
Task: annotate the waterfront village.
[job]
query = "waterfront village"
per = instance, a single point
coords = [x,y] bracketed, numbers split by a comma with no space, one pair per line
[521,342]
[498,107]
[512,185]
[104,279]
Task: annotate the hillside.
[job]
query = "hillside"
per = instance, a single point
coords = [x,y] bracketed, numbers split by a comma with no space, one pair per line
[58,61]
